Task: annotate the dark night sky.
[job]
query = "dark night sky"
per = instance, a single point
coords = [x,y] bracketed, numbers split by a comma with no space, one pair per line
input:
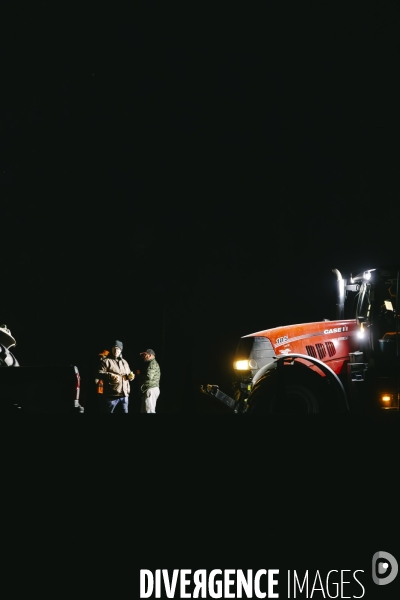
[179,179]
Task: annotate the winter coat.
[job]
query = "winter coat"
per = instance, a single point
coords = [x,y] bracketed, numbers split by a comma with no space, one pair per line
[116,366]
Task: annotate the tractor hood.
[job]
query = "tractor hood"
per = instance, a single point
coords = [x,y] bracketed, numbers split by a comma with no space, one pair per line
[328,341]
[295,338]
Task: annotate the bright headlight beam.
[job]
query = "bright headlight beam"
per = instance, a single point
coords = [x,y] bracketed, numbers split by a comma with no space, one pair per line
[241,365]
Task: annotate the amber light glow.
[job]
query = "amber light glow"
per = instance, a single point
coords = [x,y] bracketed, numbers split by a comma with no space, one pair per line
[386,398]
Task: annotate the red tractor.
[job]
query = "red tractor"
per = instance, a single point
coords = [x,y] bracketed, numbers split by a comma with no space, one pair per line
[349,364]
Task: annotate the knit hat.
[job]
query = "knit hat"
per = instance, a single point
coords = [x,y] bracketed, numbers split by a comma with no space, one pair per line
[118,344]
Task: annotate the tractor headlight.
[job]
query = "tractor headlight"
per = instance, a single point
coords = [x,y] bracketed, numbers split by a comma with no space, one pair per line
[245,365]
[241,365]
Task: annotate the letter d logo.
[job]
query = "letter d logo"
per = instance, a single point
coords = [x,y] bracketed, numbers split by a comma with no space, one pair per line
[389,566]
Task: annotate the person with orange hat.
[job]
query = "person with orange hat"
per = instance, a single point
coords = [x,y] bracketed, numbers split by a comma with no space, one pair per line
[99,382]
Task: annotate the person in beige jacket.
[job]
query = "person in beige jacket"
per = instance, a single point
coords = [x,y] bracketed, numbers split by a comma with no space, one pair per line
[116,375]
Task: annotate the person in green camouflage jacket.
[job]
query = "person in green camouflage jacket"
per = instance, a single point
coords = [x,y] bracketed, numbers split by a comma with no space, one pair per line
[149,382]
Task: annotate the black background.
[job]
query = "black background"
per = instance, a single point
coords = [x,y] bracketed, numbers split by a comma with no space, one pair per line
[176,177]
[181,177]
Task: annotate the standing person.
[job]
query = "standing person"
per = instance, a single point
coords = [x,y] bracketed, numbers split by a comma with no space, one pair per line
[94,397]
[150,382]
[99,382]
[116,374]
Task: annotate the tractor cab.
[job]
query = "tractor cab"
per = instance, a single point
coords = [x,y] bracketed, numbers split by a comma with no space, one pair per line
[372,299]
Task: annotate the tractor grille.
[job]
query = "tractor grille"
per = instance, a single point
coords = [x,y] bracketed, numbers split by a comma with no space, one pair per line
[311,351]
[262,350]
[258,348]
[320,349]
[330,346]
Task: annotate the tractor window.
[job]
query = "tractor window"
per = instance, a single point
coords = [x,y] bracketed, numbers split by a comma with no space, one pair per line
[385,308]
[350,306]
[364,302]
